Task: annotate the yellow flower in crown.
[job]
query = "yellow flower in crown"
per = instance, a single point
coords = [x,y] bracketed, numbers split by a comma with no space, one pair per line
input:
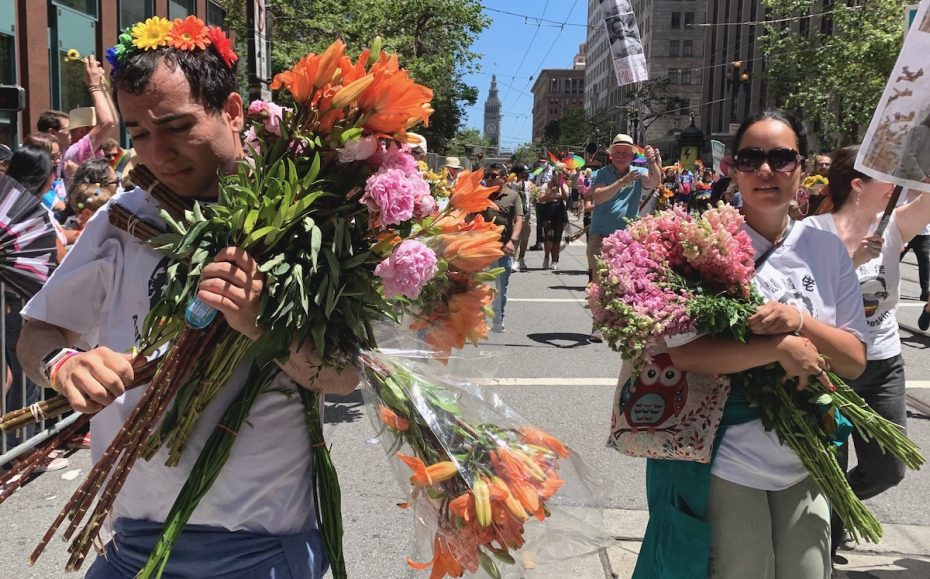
[188,34]
[152,33]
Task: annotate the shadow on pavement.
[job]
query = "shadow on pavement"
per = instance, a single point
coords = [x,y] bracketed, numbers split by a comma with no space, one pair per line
[571,272]
[910,568]
[344,408]
[577,288]
[560,339]
[916,340]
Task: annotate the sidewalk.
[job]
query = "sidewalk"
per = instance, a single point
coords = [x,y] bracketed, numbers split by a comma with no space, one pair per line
[904,552]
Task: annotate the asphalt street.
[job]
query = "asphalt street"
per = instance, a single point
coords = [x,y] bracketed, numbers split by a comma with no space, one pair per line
[545,368]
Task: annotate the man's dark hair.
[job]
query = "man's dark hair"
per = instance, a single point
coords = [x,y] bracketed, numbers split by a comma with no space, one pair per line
[31,166]
[775,114]
[50,120]
[211,81]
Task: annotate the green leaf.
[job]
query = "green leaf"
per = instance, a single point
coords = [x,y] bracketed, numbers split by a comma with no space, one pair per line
[258,235]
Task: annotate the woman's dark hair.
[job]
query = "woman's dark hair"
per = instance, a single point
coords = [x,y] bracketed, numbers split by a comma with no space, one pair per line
[841,175]
[31,166]
[211,81]
[777,115]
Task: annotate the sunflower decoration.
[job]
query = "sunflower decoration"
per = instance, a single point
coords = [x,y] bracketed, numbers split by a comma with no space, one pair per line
[185,34]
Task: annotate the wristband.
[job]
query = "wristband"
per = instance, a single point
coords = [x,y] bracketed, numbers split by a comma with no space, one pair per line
[800,319]
[66,354]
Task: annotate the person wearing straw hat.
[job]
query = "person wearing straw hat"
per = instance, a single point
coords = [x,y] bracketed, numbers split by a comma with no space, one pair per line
[182,108]
[90,126]
[418,149]
[616,194]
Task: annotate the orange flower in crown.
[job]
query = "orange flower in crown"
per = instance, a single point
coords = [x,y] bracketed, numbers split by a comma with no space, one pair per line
[188,34]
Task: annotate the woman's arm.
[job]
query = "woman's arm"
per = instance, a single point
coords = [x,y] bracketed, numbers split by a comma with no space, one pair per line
[914,216]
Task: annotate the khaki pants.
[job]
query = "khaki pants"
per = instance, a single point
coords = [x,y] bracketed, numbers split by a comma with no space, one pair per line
[768,534]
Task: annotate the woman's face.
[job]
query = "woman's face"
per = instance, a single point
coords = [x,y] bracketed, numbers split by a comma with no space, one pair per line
[765,189]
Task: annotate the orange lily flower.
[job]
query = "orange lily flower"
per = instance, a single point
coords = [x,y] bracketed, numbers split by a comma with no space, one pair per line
[464,506]
[471,251]
[469,194]
[393,99]
[533,435]
[526,494]
[311,73]
[550,487]
[511,502]
[444,561]
[428,475]
[391,418]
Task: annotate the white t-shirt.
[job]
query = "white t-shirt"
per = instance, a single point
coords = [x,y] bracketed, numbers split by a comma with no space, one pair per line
[102,291]
[880,283]
[813,270]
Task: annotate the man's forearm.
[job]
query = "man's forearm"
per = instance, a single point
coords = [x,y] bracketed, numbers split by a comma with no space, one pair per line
[517,227]
[36,341]
[603,194]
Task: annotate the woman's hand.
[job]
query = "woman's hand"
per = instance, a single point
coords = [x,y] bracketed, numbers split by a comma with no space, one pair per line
[801,361]
[868,249]
[233,285]
[776,318]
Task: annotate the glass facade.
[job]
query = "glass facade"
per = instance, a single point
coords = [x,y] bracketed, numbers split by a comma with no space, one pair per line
[69,29]
[181,8]
[88,7]
[216,15]
[132,11]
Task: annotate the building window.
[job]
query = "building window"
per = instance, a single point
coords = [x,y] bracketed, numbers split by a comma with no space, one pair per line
[673,47]
[689,19]
[181,8]
[88,7]
[676,19]
[673,76]
[685,74]
[132,11]
[687,48]
[216,14]
[554,86]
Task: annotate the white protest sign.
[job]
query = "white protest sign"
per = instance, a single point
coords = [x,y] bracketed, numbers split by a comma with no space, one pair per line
[626,48]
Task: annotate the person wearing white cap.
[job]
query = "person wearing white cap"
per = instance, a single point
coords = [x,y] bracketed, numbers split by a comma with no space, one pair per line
[90,126]
[418,148]
[616,193]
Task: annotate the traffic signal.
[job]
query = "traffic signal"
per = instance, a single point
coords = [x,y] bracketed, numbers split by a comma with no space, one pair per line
[12,97]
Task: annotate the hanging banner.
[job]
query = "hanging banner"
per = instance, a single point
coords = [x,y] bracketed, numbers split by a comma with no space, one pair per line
[718,150]
[897,144]
[626,48]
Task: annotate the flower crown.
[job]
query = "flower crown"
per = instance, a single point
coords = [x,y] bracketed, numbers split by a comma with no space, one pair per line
[186,34]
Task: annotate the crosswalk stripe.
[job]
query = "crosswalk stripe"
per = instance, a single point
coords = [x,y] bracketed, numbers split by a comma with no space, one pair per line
[911,384]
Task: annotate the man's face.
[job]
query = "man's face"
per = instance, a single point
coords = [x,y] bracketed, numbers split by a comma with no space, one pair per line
[78,134]
[111,155]
[621,156]
[183,144]
[822,165]
[494,179]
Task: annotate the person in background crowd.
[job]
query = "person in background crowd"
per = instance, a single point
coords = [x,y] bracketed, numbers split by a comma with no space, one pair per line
[700,199]
[822,164]
[554,215]
[32,167]
[858,203]
[97,172]
[90,126]
[115,155]
[754,511]
[923,321]
[5,155]
[418,149]
[55,199]
[57,125]
[685,187]
[452,166]
[543,174]
[616,194]
[509,214]
[522,186]
[920,244]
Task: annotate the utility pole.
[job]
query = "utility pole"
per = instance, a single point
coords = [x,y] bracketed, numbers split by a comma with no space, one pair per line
[259,48]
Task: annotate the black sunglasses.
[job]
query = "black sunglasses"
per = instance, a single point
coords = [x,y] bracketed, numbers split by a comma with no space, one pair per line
[780,159]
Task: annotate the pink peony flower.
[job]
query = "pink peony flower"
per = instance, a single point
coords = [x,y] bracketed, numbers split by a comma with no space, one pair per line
[407,270]
[389,197]
[251,141]
[358,149]
[400,158]
[424,204]
[270,113]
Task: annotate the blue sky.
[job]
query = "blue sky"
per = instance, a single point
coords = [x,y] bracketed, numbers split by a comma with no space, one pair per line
[518,47]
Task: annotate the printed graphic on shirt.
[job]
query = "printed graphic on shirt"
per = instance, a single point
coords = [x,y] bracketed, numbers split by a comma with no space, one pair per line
[874,293]
[157,282]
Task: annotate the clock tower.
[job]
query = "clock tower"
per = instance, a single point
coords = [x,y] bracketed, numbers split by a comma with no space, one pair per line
[492,117]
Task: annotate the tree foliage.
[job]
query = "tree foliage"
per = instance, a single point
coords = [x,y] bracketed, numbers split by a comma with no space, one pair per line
[528,153]
[832,76]
[465,141]
[433,39]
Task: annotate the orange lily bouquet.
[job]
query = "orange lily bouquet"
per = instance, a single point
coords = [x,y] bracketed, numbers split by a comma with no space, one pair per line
[488,488]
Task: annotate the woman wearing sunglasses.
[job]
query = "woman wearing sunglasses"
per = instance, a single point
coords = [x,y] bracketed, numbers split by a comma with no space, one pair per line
[858,203]
[754,511]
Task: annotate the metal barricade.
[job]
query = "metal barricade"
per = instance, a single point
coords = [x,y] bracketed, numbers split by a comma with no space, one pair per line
[18,391]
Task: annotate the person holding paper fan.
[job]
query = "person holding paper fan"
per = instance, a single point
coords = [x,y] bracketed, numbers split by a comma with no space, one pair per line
[858,201]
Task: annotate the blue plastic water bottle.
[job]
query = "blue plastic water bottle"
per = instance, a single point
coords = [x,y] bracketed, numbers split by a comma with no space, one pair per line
[199,315]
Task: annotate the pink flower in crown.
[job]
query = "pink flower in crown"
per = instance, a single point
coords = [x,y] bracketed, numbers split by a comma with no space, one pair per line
[389,197]
[407,270]
[358,149]
[400,158]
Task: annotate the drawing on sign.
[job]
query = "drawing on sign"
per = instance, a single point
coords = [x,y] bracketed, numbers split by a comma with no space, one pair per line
[626,47]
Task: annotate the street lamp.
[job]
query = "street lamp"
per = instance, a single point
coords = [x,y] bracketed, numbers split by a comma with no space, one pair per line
[736,78]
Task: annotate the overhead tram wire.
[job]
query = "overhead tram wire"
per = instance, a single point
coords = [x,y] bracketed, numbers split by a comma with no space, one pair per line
[528,48]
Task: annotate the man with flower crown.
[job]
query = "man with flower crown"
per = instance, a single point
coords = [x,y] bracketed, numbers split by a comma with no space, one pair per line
[175,87]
